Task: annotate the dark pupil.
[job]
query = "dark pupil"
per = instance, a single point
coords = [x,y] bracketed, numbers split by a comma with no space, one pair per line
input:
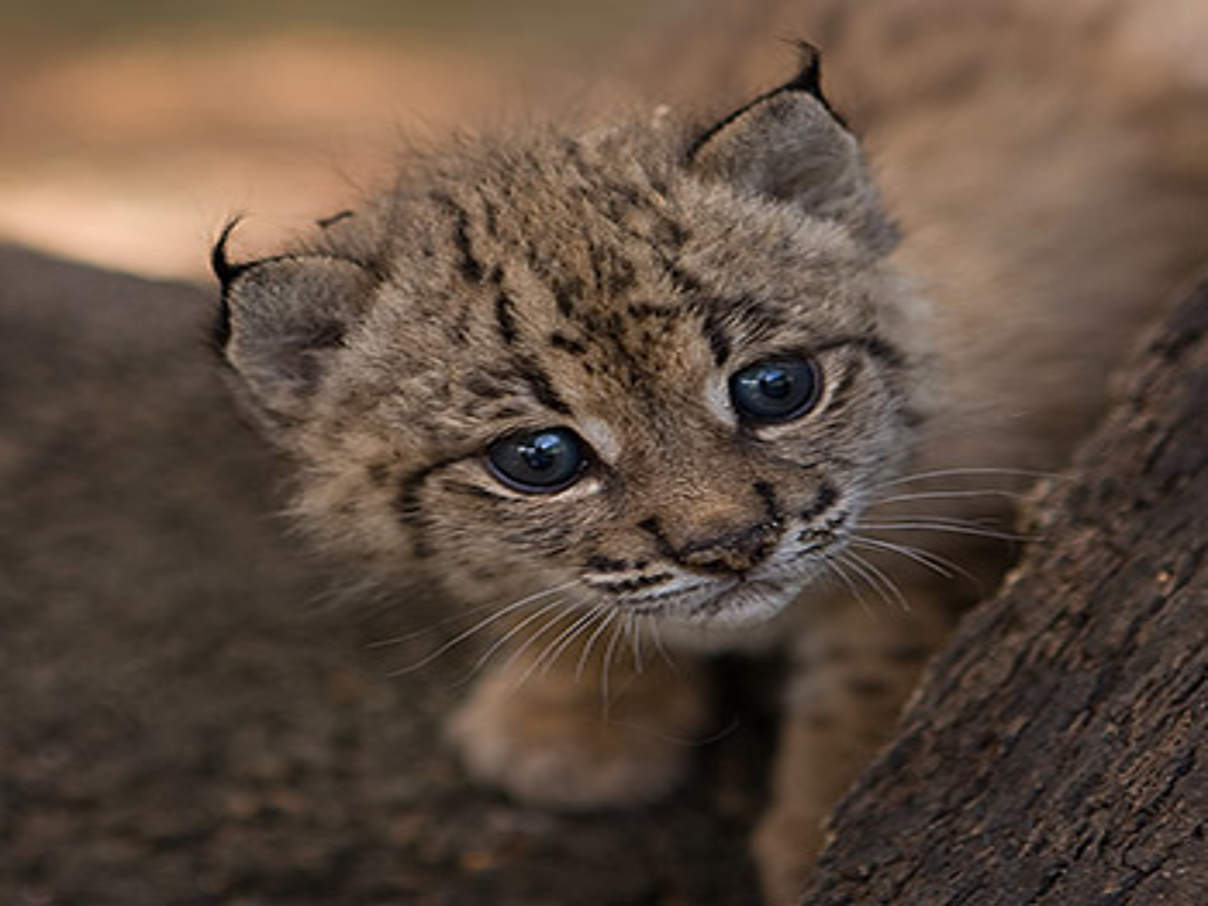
[541,453]
[775,382]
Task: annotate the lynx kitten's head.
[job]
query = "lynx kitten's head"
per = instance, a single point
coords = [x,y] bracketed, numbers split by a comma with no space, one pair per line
[660,369]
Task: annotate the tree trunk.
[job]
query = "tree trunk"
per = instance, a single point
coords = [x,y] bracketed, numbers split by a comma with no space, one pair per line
[1058,750]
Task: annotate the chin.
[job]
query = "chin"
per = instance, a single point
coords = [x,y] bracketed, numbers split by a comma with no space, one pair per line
[738,605]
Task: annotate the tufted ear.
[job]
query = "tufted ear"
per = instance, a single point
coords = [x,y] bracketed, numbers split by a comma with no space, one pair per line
[790,145]
[281,320]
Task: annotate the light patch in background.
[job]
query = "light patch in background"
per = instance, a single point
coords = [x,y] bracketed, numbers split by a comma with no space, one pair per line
[128,141]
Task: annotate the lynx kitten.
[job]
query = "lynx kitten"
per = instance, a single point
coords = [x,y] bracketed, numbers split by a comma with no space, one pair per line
[651,385]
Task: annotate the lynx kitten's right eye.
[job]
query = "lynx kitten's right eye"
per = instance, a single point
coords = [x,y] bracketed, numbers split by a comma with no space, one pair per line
[776,390]
[538,462]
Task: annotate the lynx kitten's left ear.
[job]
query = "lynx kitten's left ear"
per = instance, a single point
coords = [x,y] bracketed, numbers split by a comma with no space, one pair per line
[790,145]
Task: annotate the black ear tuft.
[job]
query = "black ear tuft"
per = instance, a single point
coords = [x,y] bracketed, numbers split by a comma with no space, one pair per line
[332,219]
[226,272]
[808,80]
[789,145]
[220,264]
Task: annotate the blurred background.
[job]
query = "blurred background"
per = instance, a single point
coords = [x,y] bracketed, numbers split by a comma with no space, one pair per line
[130,130]
[191,710]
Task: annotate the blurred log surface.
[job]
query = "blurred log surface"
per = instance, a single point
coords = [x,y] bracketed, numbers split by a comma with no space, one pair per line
[1058,752]
[186,717]
[182,724]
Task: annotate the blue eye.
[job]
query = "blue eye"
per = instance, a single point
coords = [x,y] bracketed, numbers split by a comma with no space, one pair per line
[538,462]
[776,390]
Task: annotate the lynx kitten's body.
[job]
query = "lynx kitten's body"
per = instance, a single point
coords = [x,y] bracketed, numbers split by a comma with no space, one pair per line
[670,384]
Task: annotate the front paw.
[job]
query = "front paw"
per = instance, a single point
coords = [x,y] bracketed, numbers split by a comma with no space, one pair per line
[553,743]
[786,846]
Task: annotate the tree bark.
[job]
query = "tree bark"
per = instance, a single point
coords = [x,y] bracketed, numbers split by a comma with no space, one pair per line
[1057,752]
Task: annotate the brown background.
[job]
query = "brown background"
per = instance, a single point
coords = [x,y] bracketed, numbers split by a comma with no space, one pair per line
[131,131]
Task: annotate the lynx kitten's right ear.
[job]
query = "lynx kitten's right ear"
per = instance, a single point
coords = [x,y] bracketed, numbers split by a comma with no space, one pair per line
[282,320]
[790,145]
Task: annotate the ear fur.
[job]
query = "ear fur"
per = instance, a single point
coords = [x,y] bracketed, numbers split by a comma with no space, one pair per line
[789,144]
[281,319]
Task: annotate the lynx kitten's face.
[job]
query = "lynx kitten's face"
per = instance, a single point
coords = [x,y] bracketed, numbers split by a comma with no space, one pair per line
[657,371]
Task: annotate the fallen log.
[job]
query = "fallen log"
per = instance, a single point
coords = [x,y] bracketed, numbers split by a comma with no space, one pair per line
[1057,752]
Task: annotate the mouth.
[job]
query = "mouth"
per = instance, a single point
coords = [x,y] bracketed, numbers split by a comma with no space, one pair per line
[738,600]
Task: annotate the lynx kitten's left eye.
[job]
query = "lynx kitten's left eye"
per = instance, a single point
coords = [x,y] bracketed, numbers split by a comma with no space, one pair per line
[538,462]
[776,390]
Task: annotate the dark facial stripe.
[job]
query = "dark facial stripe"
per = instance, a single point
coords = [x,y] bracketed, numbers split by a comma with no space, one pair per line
[332,219]
[566,344]
[566,293]
[406,502]
[505,317]
[823,501]
[682,280]
[484,385]
[539,383]
[719,343]
[651,526]
[471,267]
[601,564]
[642,310]
[635,584]
[768,495]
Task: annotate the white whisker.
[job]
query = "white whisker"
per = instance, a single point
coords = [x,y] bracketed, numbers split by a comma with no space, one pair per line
[884,581]
[462,636]
[609,653]
[635,636]
[657,638]
[525,646]
[432,627]
[609,614]
[833,563]
[948,495]
[938,564]
[934,524]
[921,557]
[984,470]
[567,637]
[509,635]
[985,522]
[477,627]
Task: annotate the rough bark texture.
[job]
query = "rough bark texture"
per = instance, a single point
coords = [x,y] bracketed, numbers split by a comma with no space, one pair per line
[1058,752]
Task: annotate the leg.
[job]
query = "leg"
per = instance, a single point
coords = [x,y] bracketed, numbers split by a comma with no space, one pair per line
[850,677]
[547,735]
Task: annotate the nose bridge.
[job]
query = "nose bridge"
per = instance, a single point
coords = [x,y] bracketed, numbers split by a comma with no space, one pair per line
[714,514]
[713,505]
